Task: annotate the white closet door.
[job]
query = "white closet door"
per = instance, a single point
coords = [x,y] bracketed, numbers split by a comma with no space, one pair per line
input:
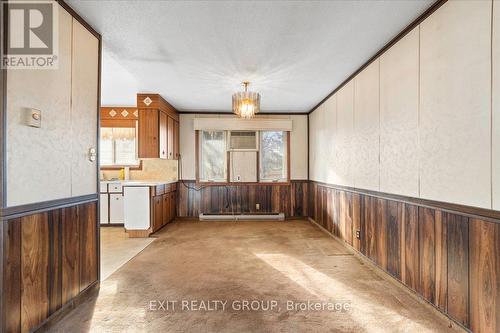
[455,104]
[84,110]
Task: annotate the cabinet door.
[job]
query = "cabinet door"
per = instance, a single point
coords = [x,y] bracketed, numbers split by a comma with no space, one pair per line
[163,135]
[172,205]
[116,208]
[166,208]
[158,212]
[103,208]
[176,140]
[84,106]
[148,134]
[170,140]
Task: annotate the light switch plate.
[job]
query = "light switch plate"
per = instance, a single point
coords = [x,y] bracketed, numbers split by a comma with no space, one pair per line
[34,118]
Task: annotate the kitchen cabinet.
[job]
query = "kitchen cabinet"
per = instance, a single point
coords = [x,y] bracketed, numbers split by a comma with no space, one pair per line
[148,207]
[158,128]
[157,212]
[176,140]
[115,208]
[170,135]
[148,134]
[163,135]
[166,208]
[138,208]
[111,203]
[173,196]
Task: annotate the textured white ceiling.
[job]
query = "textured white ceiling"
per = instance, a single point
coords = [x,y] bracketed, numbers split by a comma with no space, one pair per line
[196,53]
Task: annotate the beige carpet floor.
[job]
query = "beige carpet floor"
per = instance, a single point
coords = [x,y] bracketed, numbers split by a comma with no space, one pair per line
[292,276]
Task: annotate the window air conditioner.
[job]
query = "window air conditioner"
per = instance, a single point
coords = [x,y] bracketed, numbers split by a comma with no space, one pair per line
[243,140]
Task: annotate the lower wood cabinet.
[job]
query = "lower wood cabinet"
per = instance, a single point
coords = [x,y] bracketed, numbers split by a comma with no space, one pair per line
[172,205]
[166,207]
[157,212]
[163,209]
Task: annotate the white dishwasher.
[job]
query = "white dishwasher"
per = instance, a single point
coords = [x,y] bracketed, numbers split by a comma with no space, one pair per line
[137,207]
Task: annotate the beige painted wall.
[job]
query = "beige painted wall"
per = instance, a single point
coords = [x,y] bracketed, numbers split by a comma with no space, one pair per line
[419,117]
[51,162]
[298,144]
[366,157]
[399,79]
[455,104]
[152,169]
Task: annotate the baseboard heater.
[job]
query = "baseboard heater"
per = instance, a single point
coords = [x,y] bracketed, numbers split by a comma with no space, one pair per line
[242,217]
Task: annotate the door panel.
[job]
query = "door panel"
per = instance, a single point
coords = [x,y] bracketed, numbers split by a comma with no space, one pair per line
[116,208]
[84,88]
[176,140]
[163,135]
[170,138]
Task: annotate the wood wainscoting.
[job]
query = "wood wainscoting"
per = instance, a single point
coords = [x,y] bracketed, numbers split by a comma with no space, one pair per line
[51,258]
[449,258]
[290,199]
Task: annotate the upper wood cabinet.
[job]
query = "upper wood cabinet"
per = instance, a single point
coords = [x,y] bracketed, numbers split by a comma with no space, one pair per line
[170,140]
[158,128]
[148,133]
[176,140]
[164,133]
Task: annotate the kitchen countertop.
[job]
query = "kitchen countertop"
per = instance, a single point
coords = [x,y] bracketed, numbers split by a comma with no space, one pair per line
[139,182]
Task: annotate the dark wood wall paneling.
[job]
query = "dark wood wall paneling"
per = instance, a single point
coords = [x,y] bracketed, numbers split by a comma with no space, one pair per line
[50,258]
[450,260]
[291,199]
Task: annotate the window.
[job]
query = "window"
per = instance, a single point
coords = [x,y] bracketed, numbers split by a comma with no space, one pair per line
[212,151]
[268,161]
[273,156]
[118,147]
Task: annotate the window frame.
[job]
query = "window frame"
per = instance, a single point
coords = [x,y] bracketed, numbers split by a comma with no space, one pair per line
[286,151]
[121,124]
[227,181]
[198,161]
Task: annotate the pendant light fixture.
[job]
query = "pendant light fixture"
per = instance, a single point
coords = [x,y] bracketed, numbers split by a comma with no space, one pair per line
[246,103]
